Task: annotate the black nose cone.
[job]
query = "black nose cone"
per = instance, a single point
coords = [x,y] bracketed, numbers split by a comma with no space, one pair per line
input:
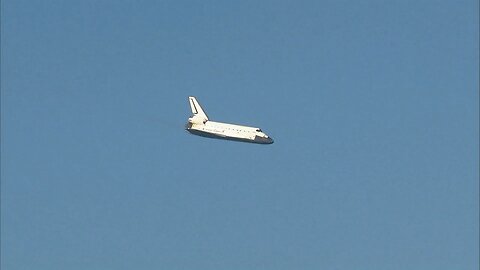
[263,140]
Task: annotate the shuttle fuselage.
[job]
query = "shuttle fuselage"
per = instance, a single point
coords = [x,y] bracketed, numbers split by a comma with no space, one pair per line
[199,124]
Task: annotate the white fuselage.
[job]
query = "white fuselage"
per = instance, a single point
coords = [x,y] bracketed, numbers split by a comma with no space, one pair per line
[199,124]
[230,131]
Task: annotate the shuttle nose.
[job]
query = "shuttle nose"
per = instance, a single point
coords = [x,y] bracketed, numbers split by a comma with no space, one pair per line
[263,139]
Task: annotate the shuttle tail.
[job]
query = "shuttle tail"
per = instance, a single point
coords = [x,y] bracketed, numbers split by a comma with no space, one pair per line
[197,109]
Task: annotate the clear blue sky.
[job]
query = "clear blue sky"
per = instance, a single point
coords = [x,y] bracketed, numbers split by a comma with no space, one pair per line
[373,106]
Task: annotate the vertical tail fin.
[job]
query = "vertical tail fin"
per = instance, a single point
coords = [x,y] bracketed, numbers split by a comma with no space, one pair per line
[196,108]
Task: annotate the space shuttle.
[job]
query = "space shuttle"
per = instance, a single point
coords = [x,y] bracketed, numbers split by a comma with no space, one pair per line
[199,124]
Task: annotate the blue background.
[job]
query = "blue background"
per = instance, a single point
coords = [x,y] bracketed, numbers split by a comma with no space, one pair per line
[373,106]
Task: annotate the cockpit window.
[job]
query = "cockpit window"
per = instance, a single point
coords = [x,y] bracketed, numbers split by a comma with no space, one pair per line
[259,130]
